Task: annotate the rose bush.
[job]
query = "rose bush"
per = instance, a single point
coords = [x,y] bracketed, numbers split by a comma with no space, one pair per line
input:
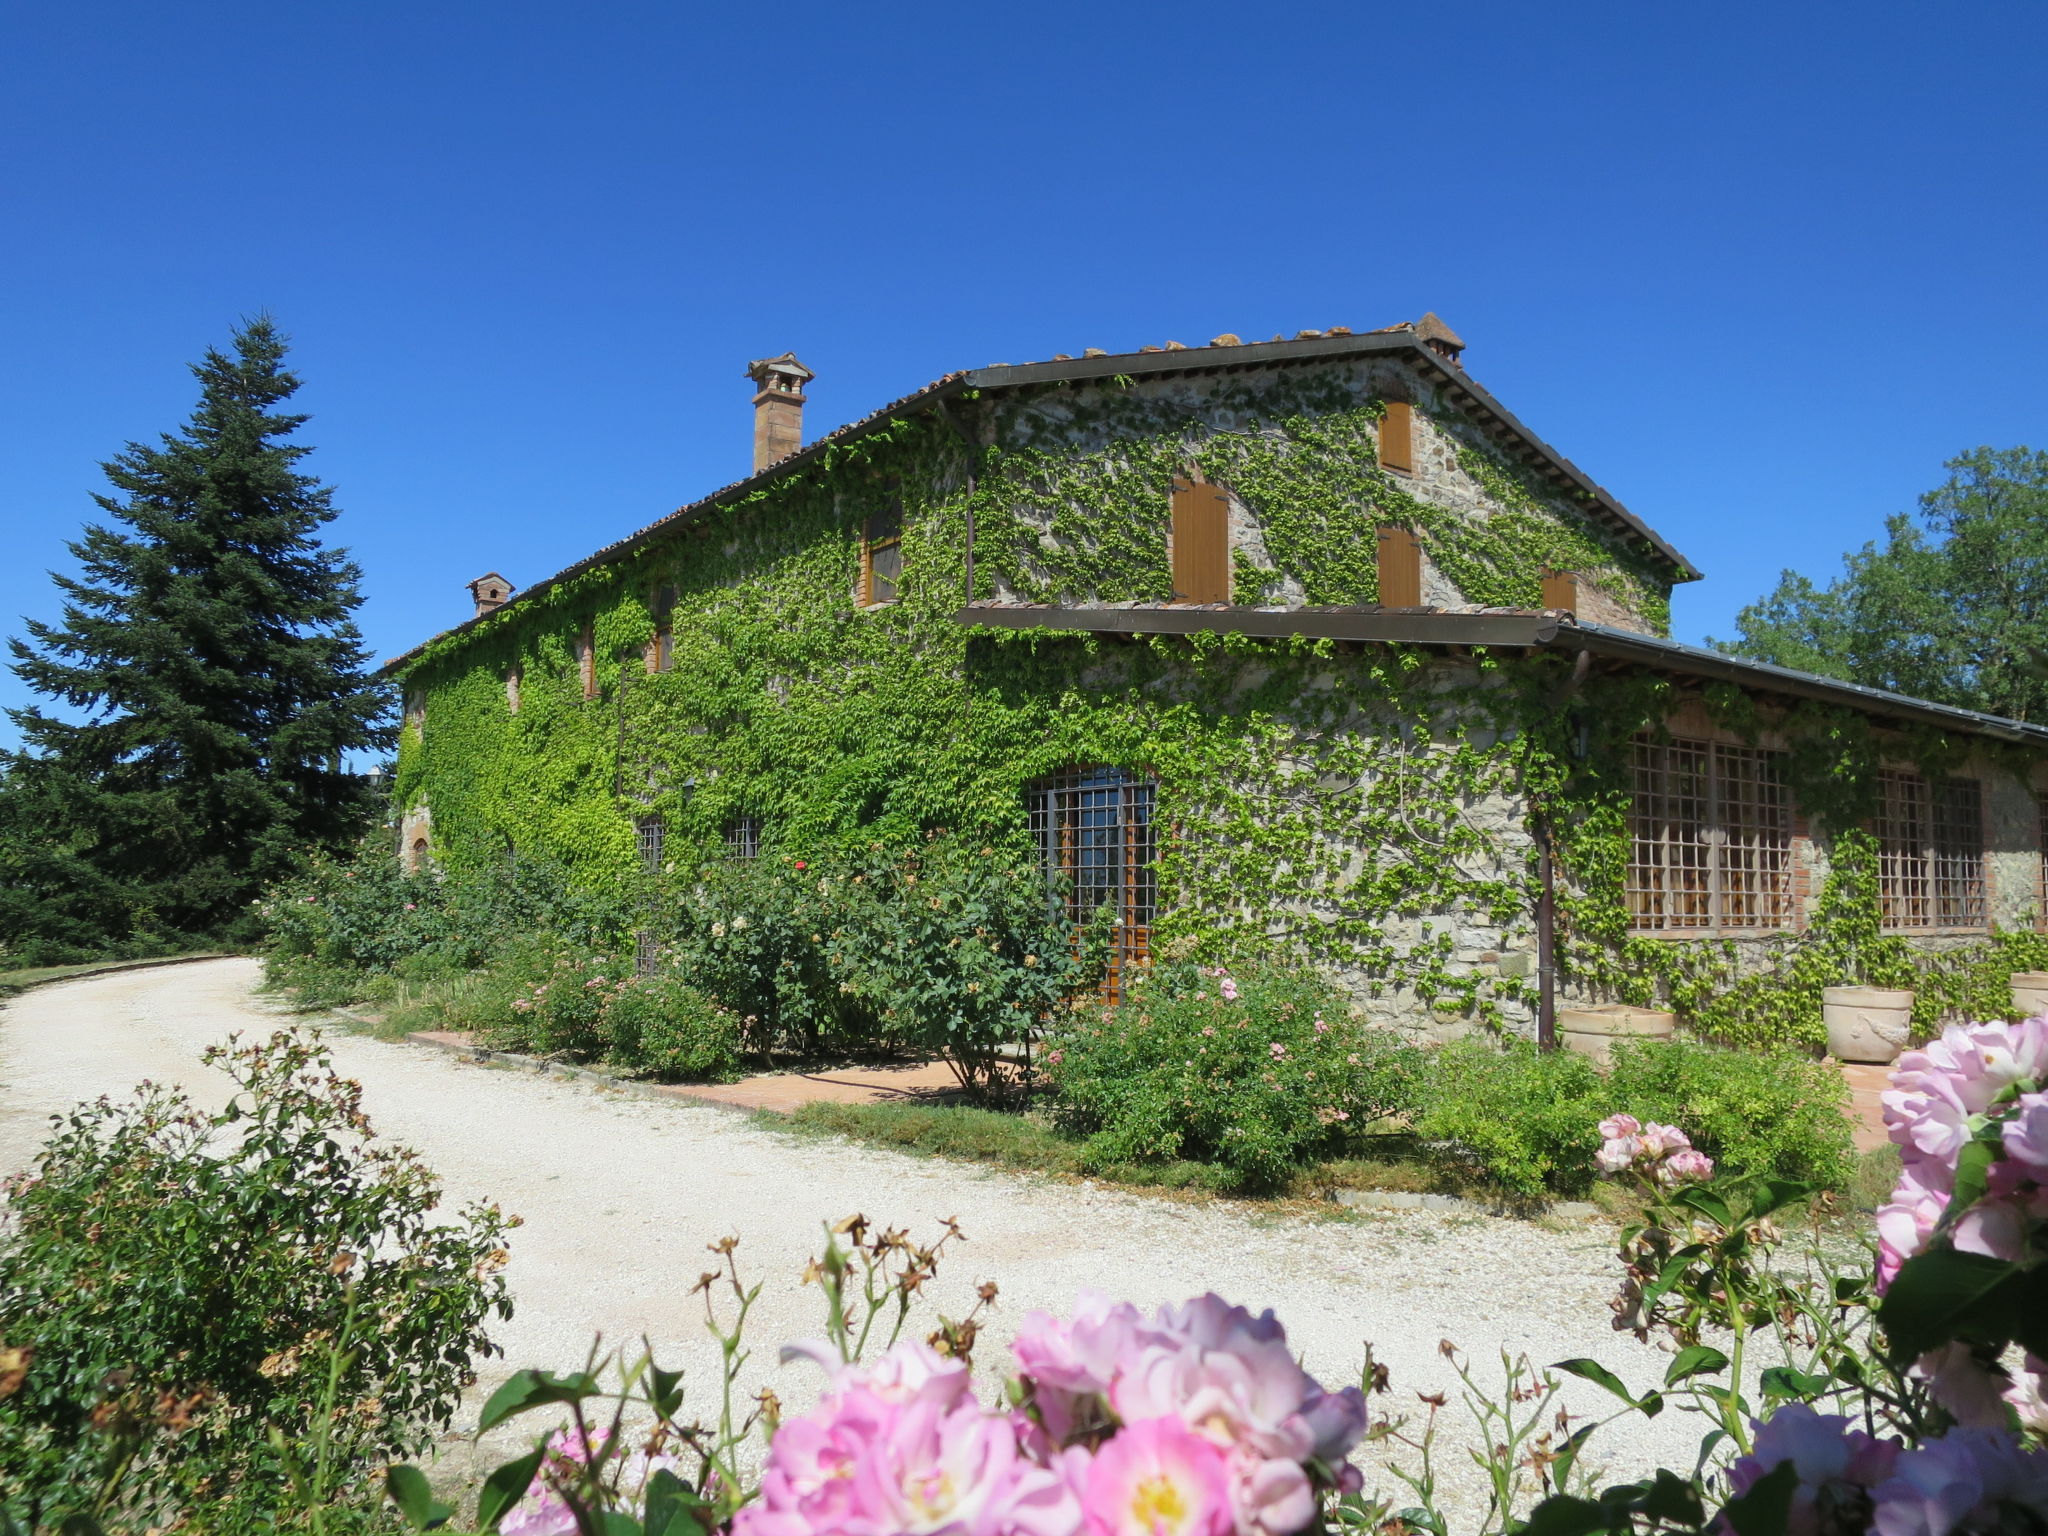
[1902,1399]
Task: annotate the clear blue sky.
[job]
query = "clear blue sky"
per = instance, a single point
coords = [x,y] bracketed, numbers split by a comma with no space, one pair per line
[1757,269]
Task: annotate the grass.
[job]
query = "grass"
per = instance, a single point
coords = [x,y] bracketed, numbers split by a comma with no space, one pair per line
[1026,1143]
[13,983]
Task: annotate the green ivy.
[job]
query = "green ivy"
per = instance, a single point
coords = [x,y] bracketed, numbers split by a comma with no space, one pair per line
[1322,803]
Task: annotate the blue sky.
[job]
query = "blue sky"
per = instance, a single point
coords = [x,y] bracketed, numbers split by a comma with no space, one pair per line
[1757,269]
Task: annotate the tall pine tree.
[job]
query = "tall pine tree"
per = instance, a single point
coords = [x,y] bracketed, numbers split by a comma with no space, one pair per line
[214,678]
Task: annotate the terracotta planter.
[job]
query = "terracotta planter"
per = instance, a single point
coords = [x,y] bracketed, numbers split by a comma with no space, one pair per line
[1592,1031]
[2029,993]
[1867,1024]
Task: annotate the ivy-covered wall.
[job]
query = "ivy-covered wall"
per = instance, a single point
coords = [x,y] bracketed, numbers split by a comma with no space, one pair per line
[1366,809]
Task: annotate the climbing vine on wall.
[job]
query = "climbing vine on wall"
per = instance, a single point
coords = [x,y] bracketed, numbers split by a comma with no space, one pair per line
[1361,808]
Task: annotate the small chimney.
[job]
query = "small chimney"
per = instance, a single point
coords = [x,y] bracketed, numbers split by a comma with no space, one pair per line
[778,407]
[492,591]
[1439,338]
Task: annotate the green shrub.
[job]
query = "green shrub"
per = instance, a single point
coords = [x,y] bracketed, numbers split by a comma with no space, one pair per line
[1525,1117]
[661,1025]
[963,948]
[1260,1085]
[216,1304]
[1752,1112]
[344,921]
[771,938]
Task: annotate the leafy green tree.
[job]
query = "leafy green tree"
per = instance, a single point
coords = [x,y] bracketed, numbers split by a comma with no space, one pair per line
[212,677]
[1949,608]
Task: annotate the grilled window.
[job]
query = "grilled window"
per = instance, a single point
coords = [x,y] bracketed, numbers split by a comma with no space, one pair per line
[1930,852]
[743,838]
[881,556]
[1710,839]
[1094,831]
[416,708]
[651,833]
[515,683]
[586,661]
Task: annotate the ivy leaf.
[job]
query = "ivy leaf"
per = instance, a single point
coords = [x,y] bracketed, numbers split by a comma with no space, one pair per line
[1695,1360]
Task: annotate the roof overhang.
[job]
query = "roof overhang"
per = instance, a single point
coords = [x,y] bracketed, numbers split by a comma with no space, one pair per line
[1511,627]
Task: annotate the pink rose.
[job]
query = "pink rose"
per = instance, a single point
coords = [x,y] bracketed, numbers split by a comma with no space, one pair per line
[1683,1167]
[1159,1478]
[1619,1127]
[1663,1140]
[1960,1481]
[1228,987]
[1909,1219]
[2026,1136]
[1827,1454]
[865,1464]
[1617,1153]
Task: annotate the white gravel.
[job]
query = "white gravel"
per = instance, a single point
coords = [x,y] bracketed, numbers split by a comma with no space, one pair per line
[621,1194]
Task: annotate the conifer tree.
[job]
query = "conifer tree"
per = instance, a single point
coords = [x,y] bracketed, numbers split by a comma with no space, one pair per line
[213,675]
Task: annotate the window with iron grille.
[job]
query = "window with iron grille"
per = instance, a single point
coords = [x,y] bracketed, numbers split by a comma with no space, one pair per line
[881,556]
[1930,852]
[652,835]
[743,838]
[1094,832]
[586,661]
[1710,839]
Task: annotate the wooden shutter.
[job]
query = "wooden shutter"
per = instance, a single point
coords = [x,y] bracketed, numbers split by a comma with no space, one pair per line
[1201,543]
[1397,437]
[1561,589]
[1400,569]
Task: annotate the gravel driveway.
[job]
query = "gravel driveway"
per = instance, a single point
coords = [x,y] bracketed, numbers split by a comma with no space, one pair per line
[621,1194]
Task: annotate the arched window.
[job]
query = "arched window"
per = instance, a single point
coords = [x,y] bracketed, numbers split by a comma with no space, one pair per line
[1094,827]
[417,857]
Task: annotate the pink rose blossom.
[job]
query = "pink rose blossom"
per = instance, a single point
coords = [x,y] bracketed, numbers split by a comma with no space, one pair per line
[1908,1220]
[1967,1387]
[2026,1136]
[1279,1051]
[1970,1479]
[1683,1167]
[1827,1454]
[1620,1127]
[1663,1140]
[1159,1478]
[903,1448]
[1617,1153]
[2028,1396]
[1228,987]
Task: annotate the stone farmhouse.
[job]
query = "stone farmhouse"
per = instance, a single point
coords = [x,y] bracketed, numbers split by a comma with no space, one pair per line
[1303,648]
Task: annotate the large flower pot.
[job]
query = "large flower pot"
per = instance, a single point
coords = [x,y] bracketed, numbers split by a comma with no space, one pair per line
[2029,993]
[1871,1024]
[1592,1031]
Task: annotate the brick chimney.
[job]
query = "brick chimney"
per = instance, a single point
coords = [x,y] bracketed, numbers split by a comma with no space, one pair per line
[490,591]
[1439,338]
[778,407]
